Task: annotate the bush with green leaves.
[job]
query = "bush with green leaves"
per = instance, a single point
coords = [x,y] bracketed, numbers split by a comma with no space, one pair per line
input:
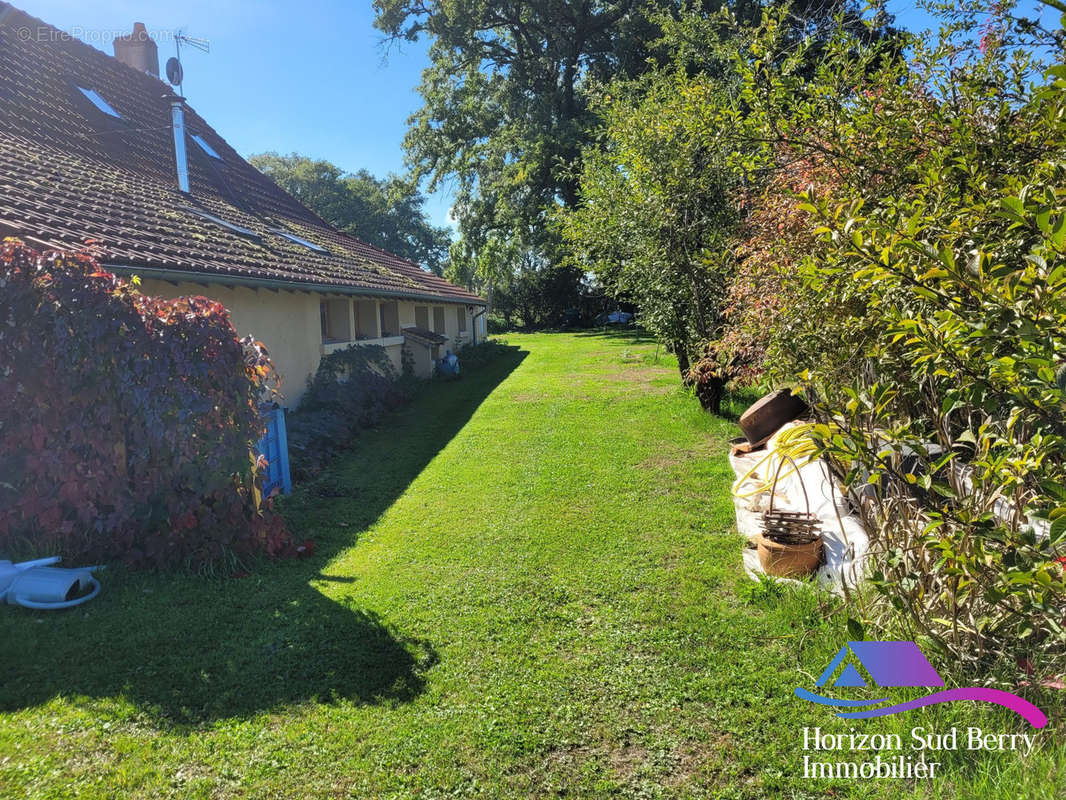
[660,206]
[351,391]
[901,198]
[931,331]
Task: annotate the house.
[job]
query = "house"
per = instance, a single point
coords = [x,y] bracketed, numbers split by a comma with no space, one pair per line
[98,149]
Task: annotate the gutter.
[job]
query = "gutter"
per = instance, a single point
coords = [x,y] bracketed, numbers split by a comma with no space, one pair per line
[268,283]
[473,322]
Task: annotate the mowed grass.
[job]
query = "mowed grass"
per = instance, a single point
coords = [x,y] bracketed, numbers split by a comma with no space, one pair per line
[527,584]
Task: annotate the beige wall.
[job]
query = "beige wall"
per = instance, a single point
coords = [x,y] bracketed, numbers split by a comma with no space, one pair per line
[289,324]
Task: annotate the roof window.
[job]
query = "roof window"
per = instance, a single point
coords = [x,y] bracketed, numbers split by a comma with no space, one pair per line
[221,222]
[205,146]
[95,98]
[294,238]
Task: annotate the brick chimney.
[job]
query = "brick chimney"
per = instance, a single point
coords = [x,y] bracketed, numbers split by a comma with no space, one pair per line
[138,50]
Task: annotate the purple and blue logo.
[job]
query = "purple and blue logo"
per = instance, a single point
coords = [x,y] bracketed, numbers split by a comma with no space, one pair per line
[892,664]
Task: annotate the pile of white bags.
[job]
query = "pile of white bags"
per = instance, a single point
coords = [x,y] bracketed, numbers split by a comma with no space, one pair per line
[845,541]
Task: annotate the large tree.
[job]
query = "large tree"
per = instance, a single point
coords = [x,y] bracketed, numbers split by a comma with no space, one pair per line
[505,110]
[386,212]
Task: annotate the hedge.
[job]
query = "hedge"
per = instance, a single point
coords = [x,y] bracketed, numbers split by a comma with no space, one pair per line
[127,420]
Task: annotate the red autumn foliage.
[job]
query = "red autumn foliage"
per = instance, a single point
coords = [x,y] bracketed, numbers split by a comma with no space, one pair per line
[776,234]
[126,420]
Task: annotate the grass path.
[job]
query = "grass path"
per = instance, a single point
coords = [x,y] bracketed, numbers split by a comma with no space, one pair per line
[525,584]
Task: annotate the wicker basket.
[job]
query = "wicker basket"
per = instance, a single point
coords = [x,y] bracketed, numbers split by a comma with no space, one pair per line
[790,543]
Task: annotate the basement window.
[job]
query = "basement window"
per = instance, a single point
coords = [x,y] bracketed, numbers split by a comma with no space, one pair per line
[292,237]
[221,222]
[98,101]
[205,146]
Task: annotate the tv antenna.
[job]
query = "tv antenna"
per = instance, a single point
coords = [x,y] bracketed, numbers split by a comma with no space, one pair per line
[175,72]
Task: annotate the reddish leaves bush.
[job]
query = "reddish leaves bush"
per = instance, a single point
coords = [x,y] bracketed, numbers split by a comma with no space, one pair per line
[126,420]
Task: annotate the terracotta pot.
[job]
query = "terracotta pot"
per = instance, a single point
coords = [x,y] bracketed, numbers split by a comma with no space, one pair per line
[788,560]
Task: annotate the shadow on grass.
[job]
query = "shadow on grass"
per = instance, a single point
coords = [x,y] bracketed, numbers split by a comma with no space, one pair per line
[620,333]
[735,401]
[188,650]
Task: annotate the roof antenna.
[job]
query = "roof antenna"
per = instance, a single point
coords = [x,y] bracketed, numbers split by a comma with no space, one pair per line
[175,73]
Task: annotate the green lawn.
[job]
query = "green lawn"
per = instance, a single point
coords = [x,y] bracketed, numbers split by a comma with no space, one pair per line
[525,584]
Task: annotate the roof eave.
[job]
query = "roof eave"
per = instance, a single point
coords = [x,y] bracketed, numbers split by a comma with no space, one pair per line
[293,286]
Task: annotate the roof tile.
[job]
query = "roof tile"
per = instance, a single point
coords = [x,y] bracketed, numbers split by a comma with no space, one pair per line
[70,173]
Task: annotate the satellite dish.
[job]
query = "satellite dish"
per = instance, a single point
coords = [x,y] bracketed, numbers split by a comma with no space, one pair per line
[174,71]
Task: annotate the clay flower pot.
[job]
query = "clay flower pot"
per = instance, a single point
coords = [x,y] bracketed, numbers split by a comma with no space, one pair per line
[788,560]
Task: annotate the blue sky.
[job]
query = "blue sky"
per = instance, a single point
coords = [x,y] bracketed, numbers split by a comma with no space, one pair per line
[311,77]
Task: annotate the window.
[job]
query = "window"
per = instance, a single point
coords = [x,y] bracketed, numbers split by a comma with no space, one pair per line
[422,317]
[205,146]
[438,319]
[390,319]
[292,237]
[95,98]
[221,222]
[460,314]
[335,320]
[366,319]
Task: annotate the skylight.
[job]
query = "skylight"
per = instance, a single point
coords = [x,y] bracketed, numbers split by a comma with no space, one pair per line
[95,98]
[294,238]
[205,146]
[219,221]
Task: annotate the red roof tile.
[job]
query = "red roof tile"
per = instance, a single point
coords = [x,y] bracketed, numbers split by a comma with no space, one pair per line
[70,173]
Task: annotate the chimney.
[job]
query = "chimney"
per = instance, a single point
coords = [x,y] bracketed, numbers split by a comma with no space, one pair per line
[181,161]
[138,50]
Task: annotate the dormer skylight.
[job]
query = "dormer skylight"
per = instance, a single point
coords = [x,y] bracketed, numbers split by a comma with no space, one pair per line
[205,146]
[221,222]
[95,98]
[292,237]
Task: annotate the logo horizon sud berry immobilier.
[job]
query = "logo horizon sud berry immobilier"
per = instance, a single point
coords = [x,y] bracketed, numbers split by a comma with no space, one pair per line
[891,664]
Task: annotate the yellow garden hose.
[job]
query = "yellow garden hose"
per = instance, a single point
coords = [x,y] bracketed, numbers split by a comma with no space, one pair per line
[793,442]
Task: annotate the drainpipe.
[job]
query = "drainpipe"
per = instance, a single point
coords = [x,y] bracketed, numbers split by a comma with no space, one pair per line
[181,161]
[473,322]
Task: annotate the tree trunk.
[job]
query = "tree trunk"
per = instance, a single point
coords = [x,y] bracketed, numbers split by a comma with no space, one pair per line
[682,361]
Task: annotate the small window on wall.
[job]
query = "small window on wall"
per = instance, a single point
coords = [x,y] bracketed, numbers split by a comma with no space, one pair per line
[366,319]
[335,321]
[390,319]
[422,317]
[460,314]
[438,319]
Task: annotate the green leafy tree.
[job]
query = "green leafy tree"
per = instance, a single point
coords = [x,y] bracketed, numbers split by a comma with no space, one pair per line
[387,213]
[926,318]
[505,110]
[661,205]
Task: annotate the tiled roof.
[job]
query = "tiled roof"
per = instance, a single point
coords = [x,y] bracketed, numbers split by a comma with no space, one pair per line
[71,173]
[424,336]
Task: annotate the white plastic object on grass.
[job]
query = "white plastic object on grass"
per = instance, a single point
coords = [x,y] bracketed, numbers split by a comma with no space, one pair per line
[804,484]
[38,585]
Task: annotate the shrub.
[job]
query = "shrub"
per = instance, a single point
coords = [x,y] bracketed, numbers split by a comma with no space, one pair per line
[127,420]
[351,391]
[930,328]
[478,355]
